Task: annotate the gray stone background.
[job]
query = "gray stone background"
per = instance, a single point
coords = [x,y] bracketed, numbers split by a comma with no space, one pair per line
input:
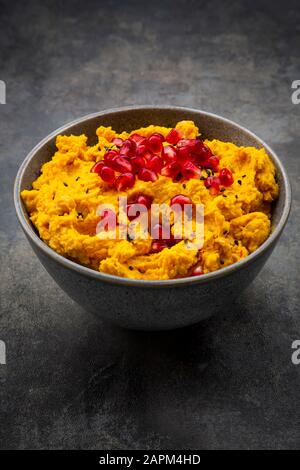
[73,382]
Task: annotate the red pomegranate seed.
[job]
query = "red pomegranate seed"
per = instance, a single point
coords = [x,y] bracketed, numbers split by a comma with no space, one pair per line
[110,155]
[128,148]
[97,167]
[180,199]
[197,146]
[155,163]
[158,246]
[155,142]
[138,163]
[189,170]
[107,174]
[144,200]
[172,170]
[197,270]
[205,153]
[212,162]
[137,138]
[169,153]
[124,181]
[121,164]
[183,143]
[147,175]
[173,136]
[183,154]
[213,182]
[118,141]
[208,181]
[226,178]
[147,155]
[141,150]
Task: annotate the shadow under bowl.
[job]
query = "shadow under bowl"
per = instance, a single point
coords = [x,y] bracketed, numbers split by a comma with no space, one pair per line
[139,304]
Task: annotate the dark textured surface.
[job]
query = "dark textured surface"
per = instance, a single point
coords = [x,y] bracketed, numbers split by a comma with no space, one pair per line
[72,382]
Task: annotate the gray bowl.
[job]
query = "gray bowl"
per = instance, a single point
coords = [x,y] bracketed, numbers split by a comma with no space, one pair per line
[150,305]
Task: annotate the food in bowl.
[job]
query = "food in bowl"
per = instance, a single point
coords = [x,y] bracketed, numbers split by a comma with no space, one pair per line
[153,165]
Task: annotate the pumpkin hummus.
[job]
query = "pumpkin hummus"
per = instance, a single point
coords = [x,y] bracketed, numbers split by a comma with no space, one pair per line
[63,202]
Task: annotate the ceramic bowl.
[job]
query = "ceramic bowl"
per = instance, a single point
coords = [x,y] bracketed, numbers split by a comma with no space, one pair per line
[139,304]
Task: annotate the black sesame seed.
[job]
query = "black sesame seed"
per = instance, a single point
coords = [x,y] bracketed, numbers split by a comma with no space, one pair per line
[65,184]
[236,242]
[77,178]
[184,185]
[131,268]
[239,181]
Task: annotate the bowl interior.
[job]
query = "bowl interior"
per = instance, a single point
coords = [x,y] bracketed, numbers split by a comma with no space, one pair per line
[211,127]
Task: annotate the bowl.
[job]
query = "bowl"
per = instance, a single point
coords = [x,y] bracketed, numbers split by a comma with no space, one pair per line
[141,304]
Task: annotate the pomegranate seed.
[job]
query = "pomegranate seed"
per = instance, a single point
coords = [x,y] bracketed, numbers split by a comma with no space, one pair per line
[110,155]
[97,167]
[155,163]
[226,178]
[141,149]
[208,181]
[121,164]
[147,175]
[180,199]
[138,163]
[155,142]
[215,186]
[197,271]
[189,170]
[118,141]
[197,146]
[171,169]
[173,136]
[183,154]
[137,138]
[183,143]
[169,153]
[128,148]
[212,162]
[145,200]
[107,174]
[158,246]
[124,181]
[205,153]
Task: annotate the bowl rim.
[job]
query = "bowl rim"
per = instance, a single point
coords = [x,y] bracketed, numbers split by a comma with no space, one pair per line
[112,279]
